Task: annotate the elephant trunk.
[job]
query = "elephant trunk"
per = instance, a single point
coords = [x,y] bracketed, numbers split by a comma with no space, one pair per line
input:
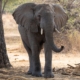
[49,39]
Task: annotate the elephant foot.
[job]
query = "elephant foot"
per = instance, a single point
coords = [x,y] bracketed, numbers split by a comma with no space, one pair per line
[37,74]
[48,75]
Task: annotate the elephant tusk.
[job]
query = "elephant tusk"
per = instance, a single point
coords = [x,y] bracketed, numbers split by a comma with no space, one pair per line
[41,31]
[57,30]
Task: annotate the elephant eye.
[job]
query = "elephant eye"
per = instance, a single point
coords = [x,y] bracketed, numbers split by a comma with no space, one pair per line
[38,17]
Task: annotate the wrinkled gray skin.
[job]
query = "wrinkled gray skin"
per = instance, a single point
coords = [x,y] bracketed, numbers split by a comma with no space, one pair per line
[31,18]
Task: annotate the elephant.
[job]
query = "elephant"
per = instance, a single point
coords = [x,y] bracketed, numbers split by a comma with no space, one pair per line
[36,24]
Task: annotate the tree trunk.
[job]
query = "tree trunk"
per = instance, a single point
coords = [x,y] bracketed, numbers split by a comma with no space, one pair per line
[4,61]
[5,2]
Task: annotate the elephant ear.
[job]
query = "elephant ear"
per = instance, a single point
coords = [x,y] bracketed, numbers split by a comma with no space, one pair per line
[24,15]
[60,16]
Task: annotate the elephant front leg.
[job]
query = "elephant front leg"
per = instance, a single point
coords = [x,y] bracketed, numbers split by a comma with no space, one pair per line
[26,44]
[48,62]
[30,58]
[36,61]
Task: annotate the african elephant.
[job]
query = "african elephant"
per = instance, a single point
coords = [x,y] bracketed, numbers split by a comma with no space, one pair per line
[37,22]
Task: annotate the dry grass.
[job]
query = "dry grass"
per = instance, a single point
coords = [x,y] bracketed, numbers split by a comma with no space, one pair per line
[74,38]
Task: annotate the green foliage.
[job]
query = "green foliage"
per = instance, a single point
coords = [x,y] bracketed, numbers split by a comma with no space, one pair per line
[12,4]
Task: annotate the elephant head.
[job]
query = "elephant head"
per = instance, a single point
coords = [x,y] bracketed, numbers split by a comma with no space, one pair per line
[47,17]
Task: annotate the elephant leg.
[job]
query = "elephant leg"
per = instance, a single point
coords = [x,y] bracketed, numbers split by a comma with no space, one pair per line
[36,62]
[35,48]
[27,47]
[30,58]
[48,61]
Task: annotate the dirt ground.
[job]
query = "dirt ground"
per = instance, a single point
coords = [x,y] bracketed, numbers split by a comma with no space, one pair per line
[20,62]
